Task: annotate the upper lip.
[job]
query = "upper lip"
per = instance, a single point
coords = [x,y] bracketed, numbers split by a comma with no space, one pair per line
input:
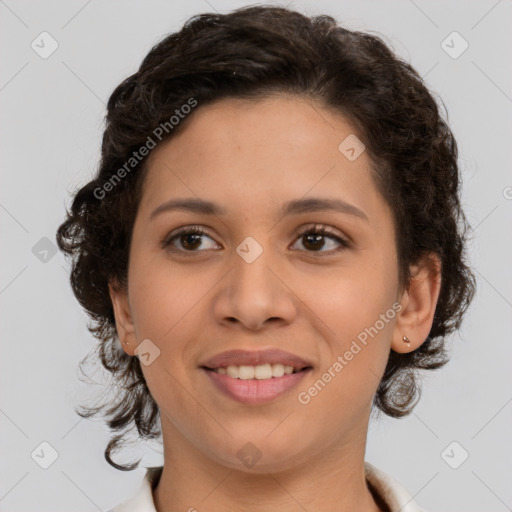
[255,358]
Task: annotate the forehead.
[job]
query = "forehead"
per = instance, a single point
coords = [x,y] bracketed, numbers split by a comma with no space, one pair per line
[252,154]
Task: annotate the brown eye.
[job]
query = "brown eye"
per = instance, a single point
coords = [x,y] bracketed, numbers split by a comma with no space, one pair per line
[189,238]
[314,240]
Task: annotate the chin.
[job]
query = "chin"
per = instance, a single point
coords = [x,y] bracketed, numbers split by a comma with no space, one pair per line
[262,455]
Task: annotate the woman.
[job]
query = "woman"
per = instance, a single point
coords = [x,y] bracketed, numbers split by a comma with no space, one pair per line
[272,247]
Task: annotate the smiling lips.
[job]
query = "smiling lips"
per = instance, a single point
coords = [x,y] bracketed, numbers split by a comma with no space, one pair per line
[255,358]
[255,377]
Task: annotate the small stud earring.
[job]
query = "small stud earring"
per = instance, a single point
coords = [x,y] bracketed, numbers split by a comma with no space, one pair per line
[406,340]
[125,342]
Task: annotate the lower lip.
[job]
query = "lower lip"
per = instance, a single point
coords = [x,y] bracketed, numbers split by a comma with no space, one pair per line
[255,391]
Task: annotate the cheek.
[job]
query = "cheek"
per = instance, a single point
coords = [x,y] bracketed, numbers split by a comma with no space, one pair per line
[355,315]
[162,295]
[165,303]
[352,298]
[356,344]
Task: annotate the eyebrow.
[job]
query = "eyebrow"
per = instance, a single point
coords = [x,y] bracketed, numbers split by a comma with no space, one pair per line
[312,204]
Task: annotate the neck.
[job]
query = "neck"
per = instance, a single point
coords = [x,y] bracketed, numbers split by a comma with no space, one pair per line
[333,481]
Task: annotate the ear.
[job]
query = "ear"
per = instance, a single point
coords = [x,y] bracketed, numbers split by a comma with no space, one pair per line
[418,302]
[123,317]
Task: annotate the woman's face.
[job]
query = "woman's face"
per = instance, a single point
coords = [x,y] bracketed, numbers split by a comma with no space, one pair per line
[256,280]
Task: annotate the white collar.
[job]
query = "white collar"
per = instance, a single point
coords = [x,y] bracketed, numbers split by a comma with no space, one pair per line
[392,493]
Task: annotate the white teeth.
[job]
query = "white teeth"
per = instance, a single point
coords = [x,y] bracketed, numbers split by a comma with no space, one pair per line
[261,372]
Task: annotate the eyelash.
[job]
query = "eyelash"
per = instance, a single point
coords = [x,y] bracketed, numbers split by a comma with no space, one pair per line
[311,230]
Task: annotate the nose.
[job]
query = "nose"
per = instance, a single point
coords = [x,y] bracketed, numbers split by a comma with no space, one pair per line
[254,296]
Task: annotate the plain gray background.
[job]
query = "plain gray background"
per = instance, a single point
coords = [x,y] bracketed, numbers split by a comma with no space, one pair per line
[52,113]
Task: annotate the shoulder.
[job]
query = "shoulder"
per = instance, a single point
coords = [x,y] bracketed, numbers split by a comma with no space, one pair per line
[396,498]
[142,500]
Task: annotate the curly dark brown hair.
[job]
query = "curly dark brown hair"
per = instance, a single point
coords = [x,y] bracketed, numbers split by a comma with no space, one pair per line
[251,53]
